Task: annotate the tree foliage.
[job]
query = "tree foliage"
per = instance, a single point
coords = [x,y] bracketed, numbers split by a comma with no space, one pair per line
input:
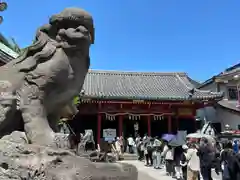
[76,100]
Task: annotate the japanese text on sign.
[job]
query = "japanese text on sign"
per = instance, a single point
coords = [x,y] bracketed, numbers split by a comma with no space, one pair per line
[109,133]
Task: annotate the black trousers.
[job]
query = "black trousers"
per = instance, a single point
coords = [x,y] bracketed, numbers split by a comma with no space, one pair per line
[169,166]
[206,173]
[140,154]
[148,157]
[184,171]
[130,149]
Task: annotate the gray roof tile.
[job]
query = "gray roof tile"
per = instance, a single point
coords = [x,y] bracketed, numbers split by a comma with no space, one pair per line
[231,71]
[4,57]
[229,105]
[142,86]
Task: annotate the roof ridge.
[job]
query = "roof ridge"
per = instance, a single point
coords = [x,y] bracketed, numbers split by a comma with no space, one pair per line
[116,72]
[197,90]
[182,81]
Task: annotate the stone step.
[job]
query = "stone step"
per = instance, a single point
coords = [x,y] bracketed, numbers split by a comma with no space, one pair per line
[128,156]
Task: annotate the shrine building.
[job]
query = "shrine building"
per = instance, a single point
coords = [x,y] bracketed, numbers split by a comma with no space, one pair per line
[6,54]
[140,102]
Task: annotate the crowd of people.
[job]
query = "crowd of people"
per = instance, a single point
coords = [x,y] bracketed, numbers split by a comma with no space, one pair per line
[193,160]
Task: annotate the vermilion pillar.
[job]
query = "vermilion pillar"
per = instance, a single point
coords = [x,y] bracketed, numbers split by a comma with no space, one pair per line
[149,125]
[169,123]
[194,118]
[99,124]
[177,122]
[120,125]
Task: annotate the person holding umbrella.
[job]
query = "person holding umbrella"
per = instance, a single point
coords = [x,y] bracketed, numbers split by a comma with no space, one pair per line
[178,152]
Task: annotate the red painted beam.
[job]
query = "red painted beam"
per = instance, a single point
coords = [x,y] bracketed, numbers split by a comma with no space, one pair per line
[120,129]
[149,125]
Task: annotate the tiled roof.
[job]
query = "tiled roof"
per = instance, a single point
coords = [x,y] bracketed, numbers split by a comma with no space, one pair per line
[6,54]
[195,83]
[231,71]
[232,68]
[141,86]
[229,105]
[5,57]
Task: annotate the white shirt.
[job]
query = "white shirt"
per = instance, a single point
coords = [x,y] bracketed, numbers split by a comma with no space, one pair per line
[193,160]
[118,146]
[130,141]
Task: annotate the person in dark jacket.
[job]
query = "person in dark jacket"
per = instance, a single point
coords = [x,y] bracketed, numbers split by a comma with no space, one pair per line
[184,162]
[230,163]
[206,155]
[227,162]
[178,151]
[236,166]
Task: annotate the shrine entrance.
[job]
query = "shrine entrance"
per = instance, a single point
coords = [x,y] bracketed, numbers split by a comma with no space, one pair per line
[187,124]
[159,126]
[134,126]
[110,123]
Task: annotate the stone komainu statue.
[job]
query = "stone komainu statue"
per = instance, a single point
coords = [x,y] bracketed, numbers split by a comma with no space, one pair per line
[38,84]
[87,141]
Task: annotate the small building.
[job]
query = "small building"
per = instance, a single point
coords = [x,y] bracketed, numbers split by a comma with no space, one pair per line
[6,54]
[140,102]
[226,111]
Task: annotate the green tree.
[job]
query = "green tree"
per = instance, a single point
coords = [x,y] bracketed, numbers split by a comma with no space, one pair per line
[76,100]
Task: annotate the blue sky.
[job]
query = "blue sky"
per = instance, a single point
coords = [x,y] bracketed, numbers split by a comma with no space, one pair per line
[201,38]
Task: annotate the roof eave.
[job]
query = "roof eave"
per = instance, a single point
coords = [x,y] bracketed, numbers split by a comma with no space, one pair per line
[197,98]
[8,51]
[229,108]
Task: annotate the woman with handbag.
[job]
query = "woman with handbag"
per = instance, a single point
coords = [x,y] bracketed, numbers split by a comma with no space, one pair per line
[168,154]
[193,166]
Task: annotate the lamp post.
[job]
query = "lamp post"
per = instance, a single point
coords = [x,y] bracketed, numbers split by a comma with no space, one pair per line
[237,78]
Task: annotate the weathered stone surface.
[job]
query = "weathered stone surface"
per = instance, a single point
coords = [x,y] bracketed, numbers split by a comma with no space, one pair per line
[36,162]
[37,85]
[33,90]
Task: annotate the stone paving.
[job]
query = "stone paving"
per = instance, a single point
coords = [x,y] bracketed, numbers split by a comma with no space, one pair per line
[149,173]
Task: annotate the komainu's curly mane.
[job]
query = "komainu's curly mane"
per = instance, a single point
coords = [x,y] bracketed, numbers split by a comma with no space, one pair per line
[48,33]
[34,53]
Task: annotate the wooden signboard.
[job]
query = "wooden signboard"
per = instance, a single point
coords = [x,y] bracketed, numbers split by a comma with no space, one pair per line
[185,111]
